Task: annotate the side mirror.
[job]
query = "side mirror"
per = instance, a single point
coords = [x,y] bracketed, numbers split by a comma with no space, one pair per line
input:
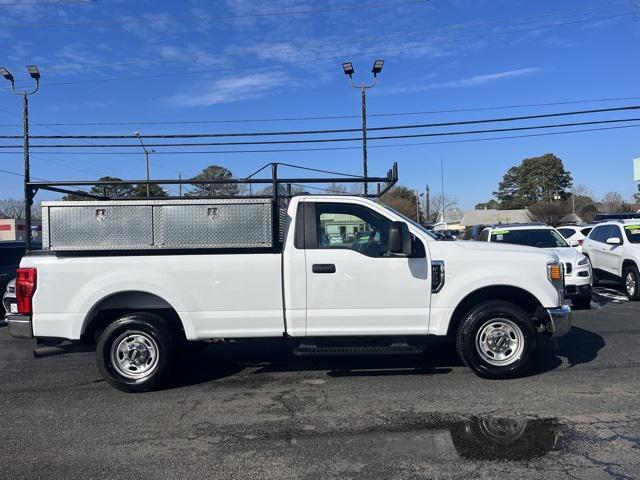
[614,241]
[399,239]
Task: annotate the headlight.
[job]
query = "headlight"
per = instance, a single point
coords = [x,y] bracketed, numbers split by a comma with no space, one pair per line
[554,270]
[584,261]
[556,277]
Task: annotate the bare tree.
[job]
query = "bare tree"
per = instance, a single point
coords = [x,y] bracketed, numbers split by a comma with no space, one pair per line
[12,208]
[612,202]
[336,188]
[435,206]
[552,213]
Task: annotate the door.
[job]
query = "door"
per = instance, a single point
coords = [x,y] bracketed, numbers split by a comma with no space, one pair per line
[354,286]
[596,246]
[612,254]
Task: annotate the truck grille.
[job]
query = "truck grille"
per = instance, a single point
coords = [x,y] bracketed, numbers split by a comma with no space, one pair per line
[568,268]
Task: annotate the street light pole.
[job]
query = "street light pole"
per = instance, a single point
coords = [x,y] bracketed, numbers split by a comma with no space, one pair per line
[349,71]
[365,168]
[28,200]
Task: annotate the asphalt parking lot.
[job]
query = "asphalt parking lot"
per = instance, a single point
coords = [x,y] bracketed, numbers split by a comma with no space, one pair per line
[254,411]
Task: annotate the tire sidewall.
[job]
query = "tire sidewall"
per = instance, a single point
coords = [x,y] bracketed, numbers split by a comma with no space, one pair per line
[151,325]
[634,272]
[476,319]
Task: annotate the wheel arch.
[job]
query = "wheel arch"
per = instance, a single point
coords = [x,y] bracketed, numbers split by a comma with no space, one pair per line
[508,293]
[118,304]
[627,262]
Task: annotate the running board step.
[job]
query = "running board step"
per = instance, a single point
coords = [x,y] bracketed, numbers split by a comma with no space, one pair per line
[307,351]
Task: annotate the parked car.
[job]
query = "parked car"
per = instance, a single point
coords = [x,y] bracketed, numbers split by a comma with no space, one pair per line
[603,217]
[578,278]
[9,298]
[141,298]
[10,254]
[613,248]
[575,234]
[445,234]
[473,232]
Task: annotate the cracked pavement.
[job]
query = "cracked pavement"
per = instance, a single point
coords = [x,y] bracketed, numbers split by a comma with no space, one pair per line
[254,411]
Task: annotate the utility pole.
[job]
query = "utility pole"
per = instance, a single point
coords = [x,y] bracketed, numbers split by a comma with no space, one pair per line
[417,206]
[348,70]
[442,185]
[146,157]
[28,193]
[427,204]
[180,185]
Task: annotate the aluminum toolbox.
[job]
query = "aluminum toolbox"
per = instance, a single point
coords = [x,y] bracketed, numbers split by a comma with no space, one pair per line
[157,224]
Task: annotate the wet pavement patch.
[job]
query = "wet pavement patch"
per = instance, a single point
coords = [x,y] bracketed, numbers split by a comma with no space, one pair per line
[438,438]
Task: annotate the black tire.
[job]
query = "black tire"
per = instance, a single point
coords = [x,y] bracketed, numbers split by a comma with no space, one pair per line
[632,292]
[485,316]
[143,330]
[582,303]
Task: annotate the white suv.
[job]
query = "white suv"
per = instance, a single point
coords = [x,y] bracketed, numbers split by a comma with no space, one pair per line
[575,234]
[613,249]
[577,271]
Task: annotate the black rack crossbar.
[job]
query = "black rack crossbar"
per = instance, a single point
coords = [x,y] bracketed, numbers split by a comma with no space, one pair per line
[384,185]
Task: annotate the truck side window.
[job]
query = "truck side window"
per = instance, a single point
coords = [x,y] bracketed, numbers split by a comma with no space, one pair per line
[348,226]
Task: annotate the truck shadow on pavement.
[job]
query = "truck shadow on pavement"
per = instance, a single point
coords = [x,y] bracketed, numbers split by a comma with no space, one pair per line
[579,346]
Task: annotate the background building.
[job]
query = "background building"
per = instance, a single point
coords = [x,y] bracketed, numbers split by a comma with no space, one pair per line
[14,229]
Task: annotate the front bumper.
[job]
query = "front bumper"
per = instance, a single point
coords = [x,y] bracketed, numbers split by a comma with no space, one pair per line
[559,321]
[19,326]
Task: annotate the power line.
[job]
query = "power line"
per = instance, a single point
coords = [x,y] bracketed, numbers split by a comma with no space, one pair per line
[325,149]
[339,130]
[332,140]
[333,57]
[210,18]
[60,131]
[326,117]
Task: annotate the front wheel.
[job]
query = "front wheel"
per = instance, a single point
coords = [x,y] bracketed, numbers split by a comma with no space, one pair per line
[631,281]
[134,352]
[496,339]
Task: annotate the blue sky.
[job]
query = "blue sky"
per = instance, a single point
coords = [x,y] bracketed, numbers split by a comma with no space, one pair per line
[211,60]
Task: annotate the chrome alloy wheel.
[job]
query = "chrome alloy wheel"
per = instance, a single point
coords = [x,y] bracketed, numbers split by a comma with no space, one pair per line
[630,284]
[500,342]
[134,355]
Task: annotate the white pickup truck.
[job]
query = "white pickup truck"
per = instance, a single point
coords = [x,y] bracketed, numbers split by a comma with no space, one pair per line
[346,266]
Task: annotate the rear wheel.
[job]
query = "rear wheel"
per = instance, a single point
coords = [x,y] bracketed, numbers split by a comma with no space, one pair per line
[134,352]
[631,281]
[496,339]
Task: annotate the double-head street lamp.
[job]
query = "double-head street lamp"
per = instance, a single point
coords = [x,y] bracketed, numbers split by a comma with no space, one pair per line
[349,71]
[35,74]
[146,156]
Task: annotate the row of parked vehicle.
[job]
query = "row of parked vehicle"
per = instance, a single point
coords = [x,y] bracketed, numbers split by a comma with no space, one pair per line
[609,249]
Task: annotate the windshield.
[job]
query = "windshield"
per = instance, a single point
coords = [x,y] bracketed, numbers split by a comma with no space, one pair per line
[633,232]
[535,237]
[412,222]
